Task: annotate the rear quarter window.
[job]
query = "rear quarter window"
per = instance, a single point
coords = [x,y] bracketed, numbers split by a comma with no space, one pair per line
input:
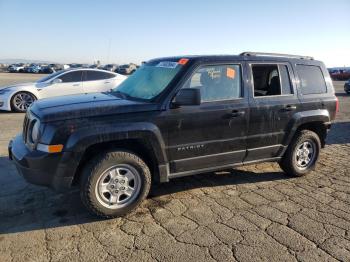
[311,80]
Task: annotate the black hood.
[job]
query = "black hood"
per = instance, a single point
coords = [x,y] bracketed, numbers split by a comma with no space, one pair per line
[86,105]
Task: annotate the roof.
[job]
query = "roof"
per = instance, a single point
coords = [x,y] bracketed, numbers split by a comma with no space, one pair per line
[86,69]
[246,56]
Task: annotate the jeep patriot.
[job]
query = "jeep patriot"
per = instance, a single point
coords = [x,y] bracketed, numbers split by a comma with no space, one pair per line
[178,116]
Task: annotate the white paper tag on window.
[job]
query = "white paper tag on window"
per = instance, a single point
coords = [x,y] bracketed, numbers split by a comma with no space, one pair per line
[167,64]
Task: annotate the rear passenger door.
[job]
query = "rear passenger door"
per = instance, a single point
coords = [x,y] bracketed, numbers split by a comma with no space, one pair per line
[98,81]
[273,101]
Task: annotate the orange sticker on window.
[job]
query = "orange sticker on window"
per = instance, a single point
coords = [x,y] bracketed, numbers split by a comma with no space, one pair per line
[230,73]
[183,61]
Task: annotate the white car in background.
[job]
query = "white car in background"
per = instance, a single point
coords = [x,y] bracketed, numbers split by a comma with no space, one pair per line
[66,82]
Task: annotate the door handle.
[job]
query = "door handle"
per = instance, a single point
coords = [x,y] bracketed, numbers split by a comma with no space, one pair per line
[76,85]
[236,113]
[107,82]
[290,107]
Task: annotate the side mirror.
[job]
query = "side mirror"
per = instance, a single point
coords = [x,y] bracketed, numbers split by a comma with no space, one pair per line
[188,97]
[56,81]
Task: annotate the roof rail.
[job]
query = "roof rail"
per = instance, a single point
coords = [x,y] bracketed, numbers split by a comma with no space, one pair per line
[275,54]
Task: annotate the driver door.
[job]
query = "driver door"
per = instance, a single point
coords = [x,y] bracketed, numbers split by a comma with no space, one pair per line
[212,134]
[71,84]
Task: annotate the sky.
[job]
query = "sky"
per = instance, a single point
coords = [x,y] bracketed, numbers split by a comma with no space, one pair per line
[112,31]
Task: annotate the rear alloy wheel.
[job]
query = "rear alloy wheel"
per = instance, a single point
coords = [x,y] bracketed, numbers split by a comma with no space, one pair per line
[21,101]
[115,183]
[302,154]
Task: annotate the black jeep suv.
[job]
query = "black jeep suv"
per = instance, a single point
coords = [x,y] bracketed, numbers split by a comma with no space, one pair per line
[175,117]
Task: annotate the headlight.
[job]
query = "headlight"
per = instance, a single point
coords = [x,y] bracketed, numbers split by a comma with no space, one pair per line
[35,131]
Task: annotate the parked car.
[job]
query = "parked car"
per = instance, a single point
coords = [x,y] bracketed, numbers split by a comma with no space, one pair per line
[110,67]
[52,68]
[347,87]
[65,82]
[3,67]
[78,65]
[177,117]
[32,68]
[16,68]
[47,70]
[340,74]
[126,69]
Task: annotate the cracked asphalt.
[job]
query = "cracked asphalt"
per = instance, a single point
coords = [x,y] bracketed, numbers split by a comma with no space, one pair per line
[251,213]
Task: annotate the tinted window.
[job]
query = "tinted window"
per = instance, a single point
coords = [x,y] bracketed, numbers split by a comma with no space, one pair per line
[221,82]
[49,77]
[75,76]
[96,75]
[311,79]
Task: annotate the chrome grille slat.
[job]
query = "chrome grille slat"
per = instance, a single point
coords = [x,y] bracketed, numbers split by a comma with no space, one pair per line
[26,127]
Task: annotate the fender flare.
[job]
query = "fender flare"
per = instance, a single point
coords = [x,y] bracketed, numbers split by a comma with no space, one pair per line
[87,136]
[300,118]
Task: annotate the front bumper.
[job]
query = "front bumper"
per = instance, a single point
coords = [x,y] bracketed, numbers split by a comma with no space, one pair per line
[4,103]
[41,168]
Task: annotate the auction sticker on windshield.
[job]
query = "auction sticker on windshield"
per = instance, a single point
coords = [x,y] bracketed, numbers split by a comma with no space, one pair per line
[167,64]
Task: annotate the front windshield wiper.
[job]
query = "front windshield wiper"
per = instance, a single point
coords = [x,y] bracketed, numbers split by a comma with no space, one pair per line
[120,94]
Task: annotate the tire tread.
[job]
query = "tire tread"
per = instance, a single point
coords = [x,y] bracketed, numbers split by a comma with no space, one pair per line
[287,161]
[87,187]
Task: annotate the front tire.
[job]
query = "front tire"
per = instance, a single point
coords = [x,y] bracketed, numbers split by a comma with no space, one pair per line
[302,154]
[114,183]
[21,101]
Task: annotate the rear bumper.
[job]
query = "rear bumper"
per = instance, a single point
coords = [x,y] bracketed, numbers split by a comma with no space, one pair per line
[40,168]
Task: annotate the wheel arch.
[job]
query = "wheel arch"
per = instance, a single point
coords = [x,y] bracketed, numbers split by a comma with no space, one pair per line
[142,138]
[318,127]
[139,146]
[318,121]
[17,92]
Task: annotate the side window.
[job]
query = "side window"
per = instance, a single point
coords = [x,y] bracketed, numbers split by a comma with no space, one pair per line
[221,82]
[74,76]
[311,80]
[271,80]
[96,75]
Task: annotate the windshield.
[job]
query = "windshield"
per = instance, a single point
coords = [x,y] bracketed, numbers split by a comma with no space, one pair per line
[149,80]
[47,78]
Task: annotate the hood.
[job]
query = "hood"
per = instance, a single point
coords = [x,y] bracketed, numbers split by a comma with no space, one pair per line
[19,86]
[86,105]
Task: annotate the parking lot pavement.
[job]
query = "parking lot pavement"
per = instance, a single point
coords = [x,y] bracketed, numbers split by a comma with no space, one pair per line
[248,213]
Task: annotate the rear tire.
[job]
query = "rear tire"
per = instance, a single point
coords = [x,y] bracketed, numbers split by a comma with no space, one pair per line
[114,183]
[302,154]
